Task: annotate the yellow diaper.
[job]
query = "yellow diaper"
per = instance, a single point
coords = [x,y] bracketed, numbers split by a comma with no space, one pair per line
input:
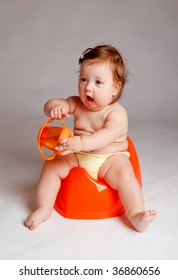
[92,162]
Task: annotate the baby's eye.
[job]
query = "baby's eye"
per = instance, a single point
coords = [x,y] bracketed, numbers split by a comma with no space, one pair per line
[82,80]
[98,82]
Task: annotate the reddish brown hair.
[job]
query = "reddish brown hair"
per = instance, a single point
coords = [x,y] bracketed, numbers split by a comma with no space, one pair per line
[108,53]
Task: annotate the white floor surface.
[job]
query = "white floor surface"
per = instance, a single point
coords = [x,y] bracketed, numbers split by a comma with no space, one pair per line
[61,238]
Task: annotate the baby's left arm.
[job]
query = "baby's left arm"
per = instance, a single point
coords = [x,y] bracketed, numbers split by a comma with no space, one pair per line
[116,125]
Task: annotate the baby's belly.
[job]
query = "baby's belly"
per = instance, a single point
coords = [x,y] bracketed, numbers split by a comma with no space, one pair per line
[120,145]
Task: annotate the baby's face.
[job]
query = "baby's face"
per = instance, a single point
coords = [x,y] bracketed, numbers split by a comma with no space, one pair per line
[96,86]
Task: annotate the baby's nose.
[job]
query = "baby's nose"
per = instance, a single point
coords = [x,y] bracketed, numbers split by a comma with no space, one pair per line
[88,88]
[89,93]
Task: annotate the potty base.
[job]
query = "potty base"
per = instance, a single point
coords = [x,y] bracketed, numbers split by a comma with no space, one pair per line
[81,197]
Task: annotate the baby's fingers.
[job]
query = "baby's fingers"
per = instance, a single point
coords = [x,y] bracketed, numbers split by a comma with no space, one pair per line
[59,112]
[56,112]
[64,113]
[63,145]
[66,152]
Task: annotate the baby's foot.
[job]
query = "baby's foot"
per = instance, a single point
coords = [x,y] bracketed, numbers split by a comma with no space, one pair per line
[42,214]
[142,219]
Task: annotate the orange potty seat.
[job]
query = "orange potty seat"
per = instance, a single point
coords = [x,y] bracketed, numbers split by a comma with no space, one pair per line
[80,196]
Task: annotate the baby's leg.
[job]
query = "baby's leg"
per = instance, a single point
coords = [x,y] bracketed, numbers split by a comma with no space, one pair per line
[50,180]
[117,171]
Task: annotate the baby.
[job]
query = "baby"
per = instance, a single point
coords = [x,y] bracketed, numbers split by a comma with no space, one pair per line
[100,136]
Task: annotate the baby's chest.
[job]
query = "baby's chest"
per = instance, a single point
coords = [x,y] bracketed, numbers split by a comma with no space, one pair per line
[90,120]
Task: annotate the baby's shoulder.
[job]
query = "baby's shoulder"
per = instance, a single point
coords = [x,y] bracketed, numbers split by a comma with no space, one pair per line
[116,109]
[73,99]
[73,102]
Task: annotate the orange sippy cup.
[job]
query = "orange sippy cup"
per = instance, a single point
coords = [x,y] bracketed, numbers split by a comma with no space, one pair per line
[50,136]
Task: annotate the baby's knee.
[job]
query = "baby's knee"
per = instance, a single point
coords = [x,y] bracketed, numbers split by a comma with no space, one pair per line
[109,175]
[57,166]
[125,172]
[115,176]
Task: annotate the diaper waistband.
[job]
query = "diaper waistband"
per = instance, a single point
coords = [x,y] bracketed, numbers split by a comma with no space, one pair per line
[103,155]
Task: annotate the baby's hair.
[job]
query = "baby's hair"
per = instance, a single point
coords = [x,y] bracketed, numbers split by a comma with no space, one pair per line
[107,53]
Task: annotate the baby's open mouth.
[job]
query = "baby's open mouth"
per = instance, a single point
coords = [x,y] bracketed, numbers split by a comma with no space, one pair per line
[89,98]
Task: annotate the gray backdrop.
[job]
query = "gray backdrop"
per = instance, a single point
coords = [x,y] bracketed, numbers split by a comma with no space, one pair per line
[41,41]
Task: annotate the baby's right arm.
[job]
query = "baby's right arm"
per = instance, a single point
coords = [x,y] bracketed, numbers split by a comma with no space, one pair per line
[59,107]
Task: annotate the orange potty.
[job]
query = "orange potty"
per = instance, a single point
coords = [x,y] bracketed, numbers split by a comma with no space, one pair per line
[81,197]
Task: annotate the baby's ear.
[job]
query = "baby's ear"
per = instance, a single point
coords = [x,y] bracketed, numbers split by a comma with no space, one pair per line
[118,87]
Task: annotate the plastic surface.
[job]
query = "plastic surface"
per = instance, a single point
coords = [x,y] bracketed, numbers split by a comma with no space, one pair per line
[81,197]
[50,136]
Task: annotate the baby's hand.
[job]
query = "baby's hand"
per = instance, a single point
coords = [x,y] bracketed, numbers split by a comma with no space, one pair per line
[70,145]
[59,112]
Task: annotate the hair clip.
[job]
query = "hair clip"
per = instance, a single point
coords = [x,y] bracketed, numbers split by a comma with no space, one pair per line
[82,56]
